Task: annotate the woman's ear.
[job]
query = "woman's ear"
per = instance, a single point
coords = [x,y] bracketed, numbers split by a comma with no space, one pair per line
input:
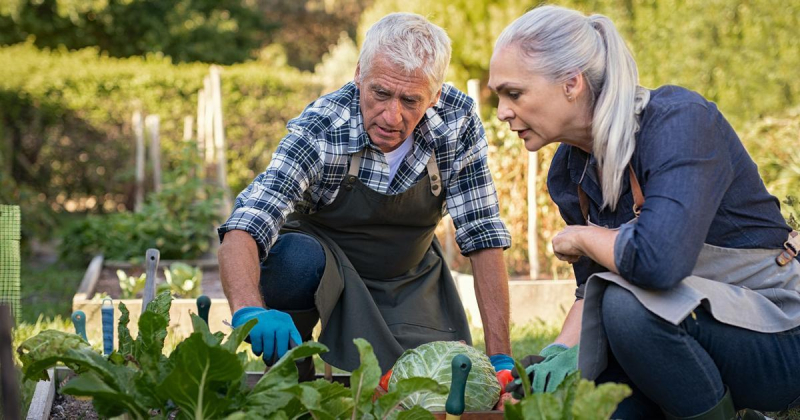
[574,87]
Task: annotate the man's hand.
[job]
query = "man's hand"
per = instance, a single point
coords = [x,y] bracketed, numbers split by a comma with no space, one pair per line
[273,335]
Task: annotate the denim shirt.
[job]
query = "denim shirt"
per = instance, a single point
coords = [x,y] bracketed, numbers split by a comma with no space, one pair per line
[700,186]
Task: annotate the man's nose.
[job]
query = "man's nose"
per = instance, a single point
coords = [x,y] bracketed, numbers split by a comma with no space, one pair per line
[392,114]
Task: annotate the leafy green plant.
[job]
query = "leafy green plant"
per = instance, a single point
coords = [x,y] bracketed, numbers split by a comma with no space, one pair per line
[179,221]
[204,376]
[794,212]
[184,280]
[575,399]
[130,285]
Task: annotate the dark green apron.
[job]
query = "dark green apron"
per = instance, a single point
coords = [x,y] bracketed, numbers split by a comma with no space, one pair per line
[385,279]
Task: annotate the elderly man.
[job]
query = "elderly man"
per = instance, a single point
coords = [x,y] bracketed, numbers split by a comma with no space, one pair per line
[340,226]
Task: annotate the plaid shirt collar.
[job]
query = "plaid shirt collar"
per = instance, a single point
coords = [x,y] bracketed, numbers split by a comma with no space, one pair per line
[429,129]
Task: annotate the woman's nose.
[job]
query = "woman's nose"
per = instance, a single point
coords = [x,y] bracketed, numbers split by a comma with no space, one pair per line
[504,113]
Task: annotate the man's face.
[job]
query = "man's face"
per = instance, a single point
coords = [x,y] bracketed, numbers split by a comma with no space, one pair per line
[393,103]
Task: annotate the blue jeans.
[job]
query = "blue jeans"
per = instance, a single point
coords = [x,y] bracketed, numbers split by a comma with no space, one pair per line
[685,368]
[292,272]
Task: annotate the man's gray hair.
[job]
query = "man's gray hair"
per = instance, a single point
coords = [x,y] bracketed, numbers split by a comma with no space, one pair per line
[412,43]
[560,43]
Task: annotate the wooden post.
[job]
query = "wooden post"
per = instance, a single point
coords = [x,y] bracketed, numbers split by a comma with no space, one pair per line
[219,140]
[188,122]
[474,92]
[8,373]
[533,238]
[152,122]
[138,132]
[208,120]
[201,127]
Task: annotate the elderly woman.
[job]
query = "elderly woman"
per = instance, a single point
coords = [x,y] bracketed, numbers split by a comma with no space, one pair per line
[688,281]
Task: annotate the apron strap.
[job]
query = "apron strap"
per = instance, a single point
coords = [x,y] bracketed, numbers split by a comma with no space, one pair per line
[638,196]
[433,174]
[433,171]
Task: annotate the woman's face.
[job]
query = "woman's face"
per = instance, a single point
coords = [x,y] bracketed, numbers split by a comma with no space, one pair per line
[541,112]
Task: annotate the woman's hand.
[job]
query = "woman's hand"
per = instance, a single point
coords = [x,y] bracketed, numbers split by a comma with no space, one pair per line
[594,242]
[568,244]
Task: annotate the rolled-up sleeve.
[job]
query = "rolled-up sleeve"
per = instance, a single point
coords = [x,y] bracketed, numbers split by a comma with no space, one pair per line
[261,208]
[687,170]
[471,194]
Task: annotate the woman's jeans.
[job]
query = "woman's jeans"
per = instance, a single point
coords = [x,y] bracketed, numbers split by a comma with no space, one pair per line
[292,272]
[684,369]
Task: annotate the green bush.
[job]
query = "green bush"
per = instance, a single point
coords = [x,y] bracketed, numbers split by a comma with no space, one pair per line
[180,221]
[66,141]
[742,54]
[217,31]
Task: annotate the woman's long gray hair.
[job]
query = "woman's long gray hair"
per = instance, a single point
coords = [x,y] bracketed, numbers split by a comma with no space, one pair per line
[561,43]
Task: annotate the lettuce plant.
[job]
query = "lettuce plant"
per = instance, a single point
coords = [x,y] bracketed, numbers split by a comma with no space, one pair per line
[205,377]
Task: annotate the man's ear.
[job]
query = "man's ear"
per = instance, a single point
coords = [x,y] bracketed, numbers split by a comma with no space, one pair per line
[575,86]
[436,98]
[357,76]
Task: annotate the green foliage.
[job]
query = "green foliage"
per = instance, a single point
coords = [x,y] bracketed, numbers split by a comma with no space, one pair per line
[697,44]
[65,118]
[179,221]
[216,31]
[204,376]
[794,212]
[575,398]
[183,280]
[130,285]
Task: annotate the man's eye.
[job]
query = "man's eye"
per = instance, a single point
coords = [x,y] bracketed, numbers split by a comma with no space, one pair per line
[411,102]
[381,94]
[513,95]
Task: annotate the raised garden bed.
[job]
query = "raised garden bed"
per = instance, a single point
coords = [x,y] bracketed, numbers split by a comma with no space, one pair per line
[101,277]
[46,397]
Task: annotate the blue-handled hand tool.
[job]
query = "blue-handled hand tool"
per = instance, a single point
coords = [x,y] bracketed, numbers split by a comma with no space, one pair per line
[107,312]
[79,320]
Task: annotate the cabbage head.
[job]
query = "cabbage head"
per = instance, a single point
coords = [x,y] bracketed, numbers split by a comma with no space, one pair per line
[433,360]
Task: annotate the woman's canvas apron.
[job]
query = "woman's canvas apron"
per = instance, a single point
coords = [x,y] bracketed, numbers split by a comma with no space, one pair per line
[745,288]
[385,279]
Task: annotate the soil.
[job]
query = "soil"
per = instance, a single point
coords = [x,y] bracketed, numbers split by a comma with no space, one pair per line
[109,282]
[67,407]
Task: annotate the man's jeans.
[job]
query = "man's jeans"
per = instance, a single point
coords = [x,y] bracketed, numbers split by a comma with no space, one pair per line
[292,272]
[685,368]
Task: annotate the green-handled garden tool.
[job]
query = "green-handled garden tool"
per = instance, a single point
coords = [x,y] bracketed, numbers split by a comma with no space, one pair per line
[203,306]
[79,320]
[454,406]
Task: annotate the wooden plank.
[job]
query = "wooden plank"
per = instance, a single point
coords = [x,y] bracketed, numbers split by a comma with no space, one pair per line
[89,282]
[204,263]
[42,400]
[153,123]
[138,132]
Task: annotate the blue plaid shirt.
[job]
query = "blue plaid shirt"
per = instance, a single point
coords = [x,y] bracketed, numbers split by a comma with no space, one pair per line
[309,164]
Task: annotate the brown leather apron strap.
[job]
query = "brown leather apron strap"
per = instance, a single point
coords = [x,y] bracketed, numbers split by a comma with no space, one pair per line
[638,196]
[433,174]
[433,171]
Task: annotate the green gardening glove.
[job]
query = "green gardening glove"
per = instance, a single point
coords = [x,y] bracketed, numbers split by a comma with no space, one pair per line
[559,361]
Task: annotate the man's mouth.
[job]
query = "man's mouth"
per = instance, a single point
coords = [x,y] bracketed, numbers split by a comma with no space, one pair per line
[522,133]
[385,132]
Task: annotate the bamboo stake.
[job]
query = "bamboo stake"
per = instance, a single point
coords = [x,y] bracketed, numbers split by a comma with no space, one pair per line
[138,131]
[188,122]
[533,243]
[208,120]
[201,127]
[219,139]
[152,123]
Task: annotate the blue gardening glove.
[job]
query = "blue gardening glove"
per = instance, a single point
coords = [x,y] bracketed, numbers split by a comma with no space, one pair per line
[559,361]
[273,335]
